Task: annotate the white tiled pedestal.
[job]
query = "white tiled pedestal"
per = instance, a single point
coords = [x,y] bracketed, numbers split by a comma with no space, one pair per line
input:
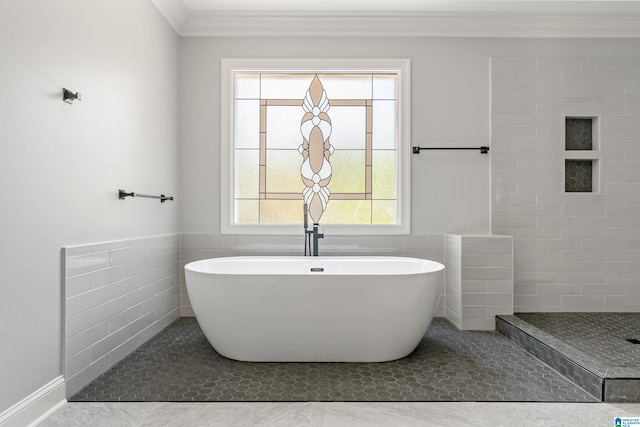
[478,279]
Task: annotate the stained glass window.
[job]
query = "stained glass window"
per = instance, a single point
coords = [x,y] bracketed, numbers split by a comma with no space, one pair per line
[328,139]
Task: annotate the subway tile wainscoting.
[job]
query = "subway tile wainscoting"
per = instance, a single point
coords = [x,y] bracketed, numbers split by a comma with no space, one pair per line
[118,295]
[573,251]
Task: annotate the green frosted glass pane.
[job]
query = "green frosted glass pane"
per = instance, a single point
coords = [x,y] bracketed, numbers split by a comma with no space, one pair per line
[246,211]
[247,86]
[348,171]
[347,212]
[383,174]
[348,127]
[344,86]
[246,130]
[384,124]
[384,211]
[384,86]
[283,127]
[283,171]
[247,174]
[281,212]
[285,86]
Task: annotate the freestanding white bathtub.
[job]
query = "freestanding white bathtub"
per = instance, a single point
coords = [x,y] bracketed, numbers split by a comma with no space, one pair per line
[314,309]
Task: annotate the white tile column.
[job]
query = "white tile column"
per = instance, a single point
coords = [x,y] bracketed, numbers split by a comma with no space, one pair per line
[479,279]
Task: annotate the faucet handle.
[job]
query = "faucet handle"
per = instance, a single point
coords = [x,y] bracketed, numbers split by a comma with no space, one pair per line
[305,210]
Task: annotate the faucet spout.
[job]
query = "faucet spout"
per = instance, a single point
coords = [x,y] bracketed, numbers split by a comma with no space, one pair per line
[316,236]
[311,236]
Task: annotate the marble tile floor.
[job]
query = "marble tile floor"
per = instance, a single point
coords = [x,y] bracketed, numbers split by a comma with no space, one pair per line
[449,365]
[338,414]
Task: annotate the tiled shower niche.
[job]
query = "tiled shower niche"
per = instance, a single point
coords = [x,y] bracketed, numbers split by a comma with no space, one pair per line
[578,133]
[578,176]
[581,163]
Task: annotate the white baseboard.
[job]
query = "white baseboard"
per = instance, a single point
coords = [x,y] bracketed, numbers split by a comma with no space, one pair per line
[33,409]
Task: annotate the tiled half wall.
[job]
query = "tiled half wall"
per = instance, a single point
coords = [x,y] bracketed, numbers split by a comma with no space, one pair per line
[573,251]
[479,280]
[117,296]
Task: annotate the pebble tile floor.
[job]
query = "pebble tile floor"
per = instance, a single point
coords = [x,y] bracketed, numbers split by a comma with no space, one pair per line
[179,365]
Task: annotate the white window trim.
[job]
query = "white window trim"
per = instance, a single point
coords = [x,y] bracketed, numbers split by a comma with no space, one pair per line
[230,66]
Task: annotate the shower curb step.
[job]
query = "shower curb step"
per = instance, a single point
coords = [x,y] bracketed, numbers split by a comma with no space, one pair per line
[609,384]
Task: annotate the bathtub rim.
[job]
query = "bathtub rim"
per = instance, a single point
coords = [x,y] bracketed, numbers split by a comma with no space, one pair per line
[197,266]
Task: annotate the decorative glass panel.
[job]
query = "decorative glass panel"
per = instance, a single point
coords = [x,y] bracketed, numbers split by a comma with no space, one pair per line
[247,86]
[247,211]
[283,123]
[284,86]
[384,124]
[280,211]
[247,176]
[350,167]
[283,172]
[384,211]
[347,86]
[329,140]
[349,125]
[247,124]
[384,87]
[384,174]
[348,212]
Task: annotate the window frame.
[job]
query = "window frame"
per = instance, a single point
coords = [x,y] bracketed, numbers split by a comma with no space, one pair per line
[230,66]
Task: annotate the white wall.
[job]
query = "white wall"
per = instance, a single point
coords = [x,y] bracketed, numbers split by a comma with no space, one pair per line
[450,106]
[61,165]
[450,100]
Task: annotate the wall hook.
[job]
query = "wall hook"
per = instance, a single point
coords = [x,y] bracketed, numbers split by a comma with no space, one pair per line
[69,97]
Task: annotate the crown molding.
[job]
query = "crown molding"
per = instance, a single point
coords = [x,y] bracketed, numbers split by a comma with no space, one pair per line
[174,12]
[397,24]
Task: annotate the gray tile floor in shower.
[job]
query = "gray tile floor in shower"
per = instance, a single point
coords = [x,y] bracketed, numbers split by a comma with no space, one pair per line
[600,352]
[603,336]
[180,365]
